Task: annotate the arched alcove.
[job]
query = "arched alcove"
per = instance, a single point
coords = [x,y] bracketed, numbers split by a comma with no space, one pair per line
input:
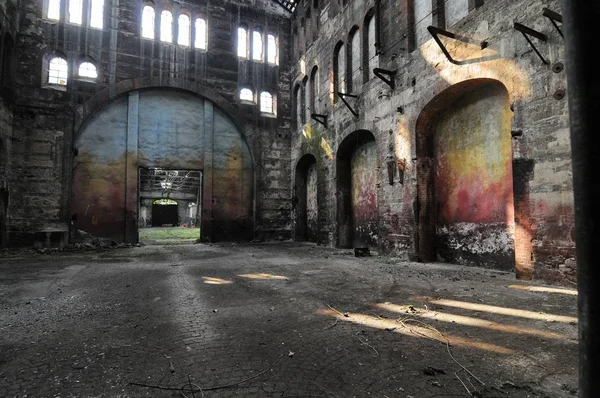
[356,177]
[161,128]
[464,176]
[305,199]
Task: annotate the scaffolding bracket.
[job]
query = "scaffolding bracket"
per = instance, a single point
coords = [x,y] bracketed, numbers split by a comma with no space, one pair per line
[321,119]
[434,31]
[526,31]
[343,98]
[389,80]
[554,17]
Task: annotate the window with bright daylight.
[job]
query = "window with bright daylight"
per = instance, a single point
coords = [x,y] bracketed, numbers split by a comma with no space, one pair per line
[166,26]
[148,22]
[266,102]
[53,9]
[257,46]
[58,71]
[200,41]
[271,49]
[242,44]
[88,70]
[246,95]
[75,11]
[184,33]
[97,14]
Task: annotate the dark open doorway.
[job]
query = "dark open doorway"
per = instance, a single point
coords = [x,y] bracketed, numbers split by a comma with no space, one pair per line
[169,205]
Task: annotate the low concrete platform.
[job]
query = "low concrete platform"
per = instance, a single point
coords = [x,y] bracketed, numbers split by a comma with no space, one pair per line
[276,320]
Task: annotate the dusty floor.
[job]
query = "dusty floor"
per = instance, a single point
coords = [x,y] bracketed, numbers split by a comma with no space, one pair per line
[276,320]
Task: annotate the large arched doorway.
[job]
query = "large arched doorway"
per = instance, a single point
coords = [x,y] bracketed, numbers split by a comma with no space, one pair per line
[3,195]
[357,211]
[464,176]
[305,199]
[162,129]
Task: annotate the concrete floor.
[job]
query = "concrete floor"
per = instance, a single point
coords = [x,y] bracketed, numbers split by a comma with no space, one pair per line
[280,320]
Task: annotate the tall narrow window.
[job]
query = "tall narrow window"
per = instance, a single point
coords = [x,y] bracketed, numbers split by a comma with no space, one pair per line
[353,76]
[266,102]
[166,26]
[87,70]
[242,44]
[184,33]
[75,11]
[314,89]
[200,41]
[148,22]
[97,14]
[339,69]
[271,49]
[257,45]
[246,95]
[54,9]
[58,71]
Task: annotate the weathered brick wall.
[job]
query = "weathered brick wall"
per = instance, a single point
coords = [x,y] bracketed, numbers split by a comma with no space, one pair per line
[47,120]
[543,200]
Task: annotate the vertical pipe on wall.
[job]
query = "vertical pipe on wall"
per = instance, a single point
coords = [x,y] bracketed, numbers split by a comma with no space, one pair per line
[580,20]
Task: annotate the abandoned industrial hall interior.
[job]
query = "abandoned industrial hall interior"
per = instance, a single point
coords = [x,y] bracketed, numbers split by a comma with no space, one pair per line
[286,198]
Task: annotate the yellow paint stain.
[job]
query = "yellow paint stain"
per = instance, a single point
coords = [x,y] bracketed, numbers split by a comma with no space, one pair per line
[307,132]
[325,146]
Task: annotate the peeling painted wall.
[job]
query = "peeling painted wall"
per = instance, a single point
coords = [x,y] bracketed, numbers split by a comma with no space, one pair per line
[312,209]
[171,130]
[364,195]
[473,179]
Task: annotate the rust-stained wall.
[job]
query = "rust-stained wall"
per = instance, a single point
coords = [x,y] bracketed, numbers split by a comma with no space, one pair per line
[171,130]
[363,168]
[472,154]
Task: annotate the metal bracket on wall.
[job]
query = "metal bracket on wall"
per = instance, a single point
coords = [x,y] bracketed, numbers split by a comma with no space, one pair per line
[435,31]
[389,80]
[322,119]
[526,31]
[342,97]
[554,17]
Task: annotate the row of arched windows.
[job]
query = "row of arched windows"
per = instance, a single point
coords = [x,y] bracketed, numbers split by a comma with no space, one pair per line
[253,46]
[166,28]
[58,71]
[266,99]
[76,11]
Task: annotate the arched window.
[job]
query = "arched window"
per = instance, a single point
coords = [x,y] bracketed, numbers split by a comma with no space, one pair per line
[87,70]
[339,69]
[53,9]
[257,45]
[242,42]
[97,14]
[166,26]
[148,22]
[307,110]
[272,49]
[58,71]
[370,57]
[266,102]
[298,100]
[353,75]
[314,89]
[184,33]
[200,41]
[246,95]
[75,11]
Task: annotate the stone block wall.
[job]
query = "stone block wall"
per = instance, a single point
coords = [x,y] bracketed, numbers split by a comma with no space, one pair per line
[541,230]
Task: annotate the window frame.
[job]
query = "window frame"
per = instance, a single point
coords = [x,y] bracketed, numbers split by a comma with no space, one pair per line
[161,30]
[253,46]
[276,47]
[273,112]
[153,25]
[87,78]
[246,46]
[47,10]
[195,31]
[47,73]
[91,15]
[189,30]
[247,101]
[81,12]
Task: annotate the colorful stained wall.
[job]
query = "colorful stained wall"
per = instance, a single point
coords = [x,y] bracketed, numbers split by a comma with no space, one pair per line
[305,202]
[364,195]
[312,210]
[473,179]
[167,129]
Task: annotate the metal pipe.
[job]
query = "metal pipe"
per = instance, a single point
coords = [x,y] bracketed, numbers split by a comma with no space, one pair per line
[580,20]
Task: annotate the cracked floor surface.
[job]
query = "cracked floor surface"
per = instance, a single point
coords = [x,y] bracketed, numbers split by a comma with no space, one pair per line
[277,320]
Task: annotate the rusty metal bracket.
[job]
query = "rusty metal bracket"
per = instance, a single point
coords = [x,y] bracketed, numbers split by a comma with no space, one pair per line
[321,119]
[526,31]
[389,80]
[342,97]
[554,17]
[434,31]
